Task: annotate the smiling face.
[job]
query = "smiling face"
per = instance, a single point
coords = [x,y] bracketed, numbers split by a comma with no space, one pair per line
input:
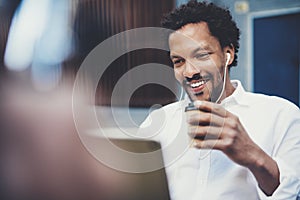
[199,62]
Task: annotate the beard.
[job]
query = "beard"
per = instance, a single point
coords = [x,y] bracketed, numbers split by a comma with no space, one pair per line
[214,92]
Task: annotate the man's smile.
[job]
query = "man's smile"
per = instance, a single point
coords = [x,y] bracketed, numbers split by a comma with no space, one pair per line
[196,84]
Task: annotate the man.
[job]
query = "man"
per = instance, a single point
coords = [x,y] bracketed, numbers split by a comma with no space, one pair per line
[246,146]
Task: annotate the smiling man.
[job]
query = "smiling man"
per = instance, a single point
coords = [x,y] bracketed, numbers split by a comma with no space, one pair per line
[244,145]
[199,61]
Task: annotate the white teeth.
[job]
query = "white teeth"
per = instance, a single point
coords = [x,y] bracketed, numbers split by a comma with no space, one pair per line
[197,84]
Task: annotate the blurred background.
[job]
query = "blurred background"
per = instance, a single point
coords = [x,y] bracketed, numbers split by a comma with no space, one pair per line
[42,46]
[45,42]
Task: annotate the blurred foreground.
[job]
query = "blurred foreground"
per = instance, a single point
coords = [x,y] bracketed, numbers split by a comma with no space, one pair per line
[41,154]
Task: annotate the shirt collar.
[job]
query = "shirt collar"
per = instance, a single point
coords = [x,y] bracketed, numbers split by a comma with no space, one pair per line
[238,96]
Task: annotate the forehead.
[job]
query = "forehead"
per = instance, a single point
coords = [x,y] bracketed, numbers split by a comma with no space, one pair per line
[192,36]
[193,29]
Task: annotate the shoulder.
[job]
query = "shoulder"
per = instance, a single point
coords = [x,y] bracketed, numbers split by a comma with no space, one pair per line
[169,110]
[271,102]
[164,113]
[174,106]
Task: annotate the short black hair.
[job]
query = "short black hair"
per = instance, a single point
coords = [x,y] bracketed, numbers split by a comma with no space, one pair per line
[219,21]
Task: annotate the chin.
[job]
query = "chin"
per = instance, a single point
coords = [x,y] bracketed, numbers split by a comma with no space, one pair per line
[203,97]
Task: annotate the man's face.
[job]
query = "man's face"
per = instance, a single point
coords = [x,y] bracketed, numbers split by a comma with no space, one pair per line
[198,60]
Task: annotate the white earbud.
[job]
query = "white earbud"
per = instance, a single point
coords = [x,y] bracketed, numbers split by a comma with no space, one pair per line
[227,59]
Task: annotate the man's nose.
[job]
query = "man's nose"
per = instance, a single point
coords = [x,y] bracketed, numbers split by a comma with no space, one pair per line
[190,70]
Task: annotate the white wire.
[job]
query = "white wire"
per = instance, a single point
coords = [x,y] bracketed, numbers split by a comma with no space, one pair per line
[224,79]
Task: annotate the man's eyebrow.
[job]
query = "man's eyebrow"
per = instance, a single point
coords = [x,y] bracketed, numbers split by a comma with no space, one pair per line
[206,48]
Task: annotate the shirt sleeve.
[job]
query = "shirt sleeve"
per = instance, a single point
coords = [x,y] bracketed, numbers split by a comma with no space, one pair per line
[287,156]
[289,184]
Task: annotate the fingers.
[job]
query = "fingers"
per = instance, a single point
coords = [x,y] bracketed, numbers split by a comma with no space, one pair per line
[205,132]
[210,107]
[210,125]
[197,117]
[207,144]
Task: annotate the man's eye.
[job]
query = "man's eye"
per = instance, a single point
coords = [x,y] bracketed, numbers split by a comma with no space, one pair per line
[202,55]
[178,61]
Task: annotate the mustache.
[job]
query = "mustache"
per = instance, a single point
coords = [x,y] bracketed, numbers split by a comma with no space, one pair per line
[196,77]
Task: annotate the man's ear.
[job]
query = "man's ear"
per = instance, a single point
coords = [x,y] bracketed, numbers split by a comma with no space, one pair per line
[229,51]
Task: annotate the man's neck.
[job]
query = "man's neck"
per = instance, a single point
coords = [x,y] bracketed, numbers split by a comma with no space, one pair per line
[229,89]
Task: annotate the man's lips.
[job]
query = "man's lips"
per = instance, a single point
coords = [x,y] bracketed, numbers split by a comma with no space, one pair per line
[196,86]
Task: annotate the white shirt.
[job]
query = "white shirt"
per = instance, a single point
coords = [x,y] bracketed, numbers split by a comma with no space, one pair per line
[272,122]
